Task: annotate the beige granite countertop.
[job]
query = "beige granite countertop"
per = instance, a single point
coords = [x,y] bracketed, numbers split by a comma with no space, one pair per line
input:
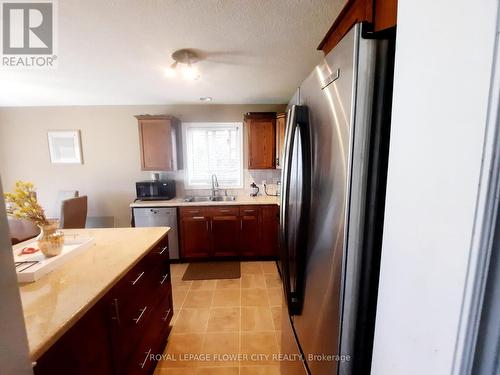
[240,200]
[56,301]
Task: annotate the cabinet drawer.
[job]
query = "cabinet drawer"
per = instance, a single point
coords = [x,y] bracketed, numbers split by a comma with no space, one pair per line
[250,210]
[194,212]
[224,211]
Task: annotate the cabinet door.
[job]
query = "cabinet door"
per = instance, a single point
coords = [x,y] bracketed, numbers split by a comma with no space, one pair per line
[195,236]
[225,235]
[270,224]
[84,349]
[250,225]
[280,139]
[261,142]
[158,144]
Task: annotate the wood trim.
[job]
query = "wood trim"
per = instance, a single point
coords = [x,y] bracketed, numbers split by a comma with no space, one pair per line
[381,14]
[354,11]
[385,15]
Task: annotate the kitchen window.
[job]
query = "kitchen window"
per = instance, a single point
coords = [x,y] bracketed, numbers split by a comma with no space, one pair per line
[213,148]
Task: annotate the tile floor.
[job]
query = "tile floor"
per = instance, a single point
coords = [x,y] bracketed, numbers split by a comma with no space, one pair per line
[234,323]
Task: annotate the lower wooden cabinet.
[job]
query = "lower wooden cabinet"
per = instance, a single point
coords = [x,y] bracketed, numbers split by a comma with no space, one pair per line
[229,231]
[123,329]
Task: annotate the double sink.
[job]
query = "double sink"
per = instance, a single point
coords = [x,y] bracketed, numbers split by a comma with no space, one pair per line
[218,198]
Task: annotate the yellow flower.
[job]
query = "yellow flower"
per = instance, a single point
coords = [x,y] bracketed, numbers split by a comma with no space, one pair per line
[22,204]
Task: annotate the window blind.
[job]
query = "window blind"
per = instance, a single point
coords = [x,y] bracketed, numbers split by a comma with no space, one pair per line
[213,149]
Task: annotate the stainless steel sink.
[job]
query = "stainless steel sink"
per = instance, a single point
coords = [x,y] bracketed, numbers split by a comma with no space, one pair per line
[222,198]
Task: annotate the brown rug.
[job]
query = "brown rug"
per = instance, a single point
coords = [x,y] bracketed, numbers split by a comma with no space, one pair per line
[212,270]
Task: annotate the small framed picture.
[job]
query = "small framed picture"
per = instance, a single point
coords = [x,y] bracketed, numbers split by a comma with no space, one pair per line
[65,147]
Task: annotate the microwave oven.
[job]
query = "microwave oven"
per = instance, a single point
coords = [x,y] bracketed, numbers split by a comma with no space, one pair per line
[155,190]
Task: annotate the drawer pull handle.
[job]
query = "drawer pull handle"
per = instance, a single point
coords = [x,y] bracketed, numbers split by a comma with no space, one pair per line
[194,211]
[136,320]
[198,217]
[164,248]
[143,363]
[138,278]
[117,312]
[224,210]
[166,315]
[248,210]
[164,278]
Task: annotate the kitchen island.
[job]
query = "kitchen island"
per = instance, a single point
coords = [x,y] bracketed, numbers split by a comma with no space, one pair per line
[103,298]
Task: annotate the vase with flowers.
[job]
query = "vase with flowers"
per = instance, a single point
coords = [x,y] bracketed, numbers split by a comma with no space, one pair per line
[22,204]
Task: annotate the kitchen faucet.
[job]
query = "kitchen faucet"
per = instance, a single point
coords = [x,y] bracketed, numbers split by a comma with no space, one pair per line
[215,184]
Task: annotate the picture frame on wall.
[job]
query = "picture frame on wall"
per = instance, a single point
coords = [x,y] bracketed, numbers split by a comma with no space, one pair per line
[65,146]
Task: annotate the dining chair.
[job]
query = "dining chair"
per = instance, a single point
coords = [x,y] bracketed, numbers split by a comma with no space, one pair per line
[73,213]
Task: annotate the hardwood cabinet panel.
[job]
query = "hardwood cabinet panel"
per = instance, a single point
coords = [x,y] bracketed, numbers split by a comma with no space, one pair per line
[159,142]
[77,351]
[251,231]
[229,231]
[261,131]
[280,139]
[270,227]
[225,235]
[195,236]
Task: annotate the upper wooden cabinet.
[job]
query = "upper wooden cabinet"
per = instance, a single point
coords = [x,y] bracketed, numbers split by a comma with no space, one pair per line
[261,131]
[159,138]
[280,139]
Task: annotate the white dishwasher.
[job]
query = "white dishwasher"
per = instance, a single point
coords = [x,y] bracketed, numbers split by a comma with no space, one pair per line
[160,217]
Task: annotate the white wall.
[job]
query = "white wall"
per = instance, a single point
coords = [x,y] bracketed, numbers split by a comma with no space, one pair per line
[443,64]
[110,144]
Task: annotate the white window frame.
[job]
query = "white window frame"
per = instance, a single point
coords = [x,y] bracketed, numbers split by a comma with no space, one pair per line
[186,126]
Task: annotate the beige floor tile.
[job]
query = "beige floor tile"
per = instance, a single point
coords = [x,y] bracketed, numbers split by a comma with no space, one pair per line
[269,267]
[178,283]
[217,371]
[260,370]
[253,281]
[184,343]
[262,344]
[251,267]
[256,319]
[275,297]
[276,311]
[203,284]
[254,297]
[224,349]
[191,320]
[222,319]
[178,296]
[199,298]
[272,280]
[228,284]
[178,269]
[163,368]
[226,298]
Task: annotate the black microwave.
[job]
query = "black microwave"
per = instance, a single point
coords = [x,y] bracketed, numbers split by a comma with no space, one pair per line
[155,190]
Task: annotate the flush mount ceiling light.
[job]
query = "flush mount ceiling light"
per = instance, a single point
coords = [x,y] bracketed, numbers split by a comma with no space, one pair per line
[186,58]
[206,99]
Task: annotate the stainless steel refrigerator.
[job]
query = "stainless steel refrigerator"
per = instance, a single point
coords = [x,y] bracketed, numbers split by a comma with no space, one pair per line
[333,193]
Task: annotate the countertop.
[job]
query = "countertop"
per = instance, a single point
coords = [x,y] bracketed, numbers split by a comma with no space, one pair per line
[54,303]
[240,200]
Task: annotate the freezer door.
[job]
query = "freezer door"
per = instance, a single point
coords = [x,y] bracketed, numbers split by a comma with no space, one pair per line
[295,206]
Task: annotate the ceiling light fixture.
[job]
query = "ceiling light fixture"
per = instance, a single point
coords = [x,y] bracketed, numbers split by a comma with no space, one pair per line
[206,99]
[187,58]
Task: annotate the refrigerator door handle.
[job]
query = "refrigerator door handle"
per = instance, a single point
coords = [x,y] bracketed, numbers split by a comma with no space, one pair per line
[293,236]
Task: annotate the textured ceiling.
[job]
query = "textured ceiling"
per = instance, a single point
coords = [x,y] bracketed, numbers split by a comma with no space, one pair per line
[113,52]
